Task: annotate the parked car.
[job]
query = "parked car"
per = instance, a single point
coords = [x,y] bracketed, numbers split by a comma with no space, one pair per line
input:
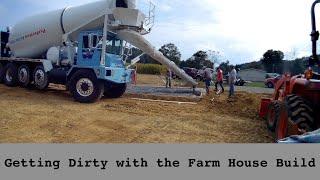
[271,82]
[200,74]
[272,75]
[175,76]
[191,72]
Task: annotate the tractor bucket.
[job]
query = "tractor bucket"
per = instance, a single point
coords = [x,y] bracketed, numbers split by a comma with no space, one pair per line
[264,107]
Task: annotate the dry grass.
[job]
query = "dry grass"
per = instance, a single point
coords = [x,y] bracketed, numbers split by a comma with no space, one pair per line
[29,116]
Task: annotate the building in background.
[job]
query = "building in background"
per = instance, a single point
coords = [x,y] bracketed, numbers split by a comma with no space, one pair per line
[255,75]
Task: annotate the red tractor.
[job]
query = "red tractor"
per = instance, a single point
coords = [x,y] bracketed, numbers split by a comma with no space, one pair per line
[293,108]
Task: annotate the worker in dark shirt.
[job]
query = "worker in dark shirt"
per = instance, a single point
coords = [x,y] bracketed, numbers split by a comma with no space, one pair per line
[208,79]
[168,78]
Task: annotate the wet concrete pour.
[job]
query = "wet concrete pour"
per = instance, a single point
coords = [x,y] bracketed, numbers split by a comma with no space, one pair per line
[183,92]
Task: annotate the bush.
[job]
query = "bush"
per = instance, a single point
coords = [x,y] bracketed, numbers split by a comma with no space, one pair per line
[153,69]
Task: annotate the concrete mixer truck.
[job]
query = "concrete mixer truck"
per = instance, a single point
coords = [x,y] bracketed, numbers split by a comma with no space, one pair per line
[81,47]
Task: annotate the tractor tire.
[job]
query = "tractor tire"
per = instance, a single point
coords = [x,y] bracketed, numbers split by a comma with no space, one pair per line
[1,72]
[298,112]
[40,77]
[85,87]
[302,112]
[115,91]
[11,75]
[273,115]
[24,76]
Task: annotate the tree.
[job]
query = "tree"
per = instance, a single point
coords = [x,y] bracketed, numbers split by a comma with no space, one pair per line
[214,56]
[172,52]
[198,61]
[273,61]
[145,59]
[295,67]
[225,66]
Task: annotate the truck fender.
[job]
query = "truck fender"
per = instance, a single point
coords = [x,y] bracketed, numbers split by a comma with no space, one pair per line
[47,65]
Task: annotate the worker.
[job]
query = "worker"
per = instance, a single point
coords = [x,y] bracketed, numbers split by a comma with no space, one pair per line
[219,80]
[232,81]
[168,78]
[208,79]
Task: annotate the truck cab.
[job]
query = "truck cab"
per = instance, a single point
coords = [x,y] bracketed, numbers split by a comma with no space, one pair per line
[89,54]
[109,77]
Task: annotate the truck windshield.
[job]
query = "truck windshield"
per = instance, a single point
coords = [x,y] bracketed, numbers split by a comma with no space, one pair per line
[113,45]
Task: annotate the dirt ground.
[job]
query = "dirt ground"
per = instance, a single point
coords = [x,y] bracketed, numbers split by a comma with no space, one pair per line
[30,116]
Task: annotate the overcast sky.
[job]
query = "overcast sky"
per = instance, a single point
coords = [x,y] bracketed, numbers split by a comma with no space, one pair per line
[242,30]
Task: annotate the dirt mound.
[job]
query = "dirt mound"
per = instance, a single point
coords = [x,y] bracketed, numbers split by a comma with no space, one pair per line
[242,105]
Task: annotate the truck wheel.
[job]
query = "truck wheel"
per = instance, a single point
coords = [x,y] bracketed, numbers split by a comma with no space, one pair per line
[270,85]
[11,75]
[40,78]
[85,87]
[115,91]
[24,75]
[1,72]
[273,115]
[299,113]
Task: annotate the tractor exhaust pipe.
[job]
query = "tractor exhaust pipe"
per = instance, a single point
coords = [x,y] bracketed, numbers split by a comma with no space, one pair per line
[314,34]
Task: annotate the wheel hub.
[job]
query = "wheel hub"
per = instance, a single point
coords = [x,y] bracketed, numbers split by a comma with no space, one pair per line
[39,77]
[23,75]
[85,87]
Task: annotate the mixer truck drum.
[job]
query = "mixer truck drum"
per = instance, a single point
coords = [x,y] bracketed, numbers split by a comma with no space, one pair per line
[11,75]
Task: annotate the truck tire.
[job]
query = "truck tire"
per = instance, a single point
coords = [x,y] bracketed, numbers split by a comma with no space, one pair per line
[40,78]
[1,72]
[11,75]
[299,112]
[273,115]
[115,91]
[24,75]
[270,85]
[85,87]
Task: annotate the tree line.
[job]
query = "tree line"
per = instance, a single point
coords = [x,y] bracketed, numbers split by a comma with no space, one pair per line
[272,61]
[198,60]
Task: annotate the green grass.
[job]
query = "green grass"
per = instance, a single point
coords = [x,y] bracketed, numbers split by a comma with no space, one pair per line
[153,69]
[256,84]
